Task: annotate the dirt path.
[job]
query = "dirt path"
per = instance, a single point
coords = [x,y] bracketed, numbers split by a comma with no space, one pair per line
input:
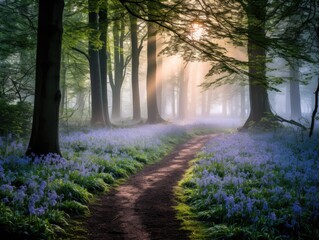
[142,209]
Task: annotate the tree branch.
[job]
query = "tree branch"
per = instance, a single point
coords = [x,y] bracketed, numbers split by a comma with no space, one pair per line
[82,52]
[281,119]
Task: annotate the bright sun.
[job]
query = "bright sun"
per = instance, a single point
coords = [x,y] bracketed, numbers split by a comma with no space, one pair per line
[197,31]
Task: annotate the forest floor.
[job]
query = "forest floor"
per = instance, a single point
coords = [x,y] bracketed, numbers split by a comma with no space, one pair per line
[143,207]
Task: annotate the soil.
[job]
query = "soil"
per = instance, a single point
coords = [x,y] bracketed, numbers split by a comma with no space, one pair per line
[143,207]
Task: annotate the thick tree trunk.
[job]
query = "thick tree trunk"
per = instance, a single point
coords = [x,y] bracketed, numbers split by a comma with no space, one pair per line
[152,108]
[45,127]
[103,62]
[97,117]
[135,69]
[259,102]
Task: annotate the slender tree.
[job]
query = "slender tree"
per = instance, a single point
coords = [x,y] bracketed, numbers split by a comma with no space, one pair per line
[120,63]
[295,104]
[183,90]
[135,69]
[45,126]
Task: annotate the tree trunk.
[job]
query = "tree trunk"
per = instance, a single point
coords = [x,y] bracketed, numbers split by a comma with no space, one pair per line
[103,62]
[135,69]
[97,118]
[152,108]
[259,102]
[243,104]
[209,101]
[63,85]
[295,105]
[182,98]
[159,76]
[116,103]
[45,127]
[119,68]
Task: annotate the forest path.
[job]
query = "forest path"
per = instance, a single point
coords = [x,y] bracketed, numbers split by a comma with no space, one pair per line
[142,208]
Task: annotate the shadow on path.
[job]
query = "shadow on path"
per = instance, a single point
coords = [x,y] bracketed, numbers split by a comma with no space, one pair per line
[142,208]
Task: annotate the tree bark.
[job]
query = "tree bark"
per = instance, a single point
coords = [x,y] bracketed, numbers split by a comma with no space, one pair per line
[135,69]
[119,68]
[116,102]
[159,76]
[97,118]
[45,126]
[259,102]
[183,88]
[295,105]
[103,62]
[152,108]
[243,104]
[63,85]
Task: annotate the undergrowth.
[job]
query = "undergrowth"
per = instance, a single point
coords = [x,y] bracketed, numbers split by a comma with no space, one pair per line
[252,186]
[41,198]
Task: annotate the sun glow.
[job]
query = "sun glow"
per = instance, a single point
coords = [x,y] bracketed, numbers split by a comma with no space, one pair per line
[197,31]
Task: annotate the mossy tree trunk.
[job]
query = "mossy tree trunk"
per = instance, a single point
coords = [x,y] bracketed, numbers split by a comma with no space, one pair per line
[258,85]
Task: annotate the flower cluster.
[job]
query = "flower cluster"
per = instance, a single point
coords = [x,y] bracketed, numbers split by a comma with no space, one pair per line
[259,181]
[37,187]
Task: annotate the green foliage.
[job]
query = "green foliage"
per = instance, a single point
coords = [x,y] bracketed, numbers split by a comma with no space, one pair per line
[17,50]
[15,226]
[73,191]
[106,177]
[74,208]
[92,183]
[15,118]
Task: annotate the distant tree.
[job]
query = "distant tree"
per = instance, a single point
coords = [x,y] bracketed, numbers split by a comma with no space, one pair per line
[17,49]
[295,104]
[15,119]
[255,25]
[183,79]
[119,59]
[44,134]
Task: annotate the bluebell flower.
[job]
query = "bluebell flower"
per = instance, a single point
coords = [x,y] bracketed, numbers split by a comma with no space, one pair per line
[296,208]
[272,216]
